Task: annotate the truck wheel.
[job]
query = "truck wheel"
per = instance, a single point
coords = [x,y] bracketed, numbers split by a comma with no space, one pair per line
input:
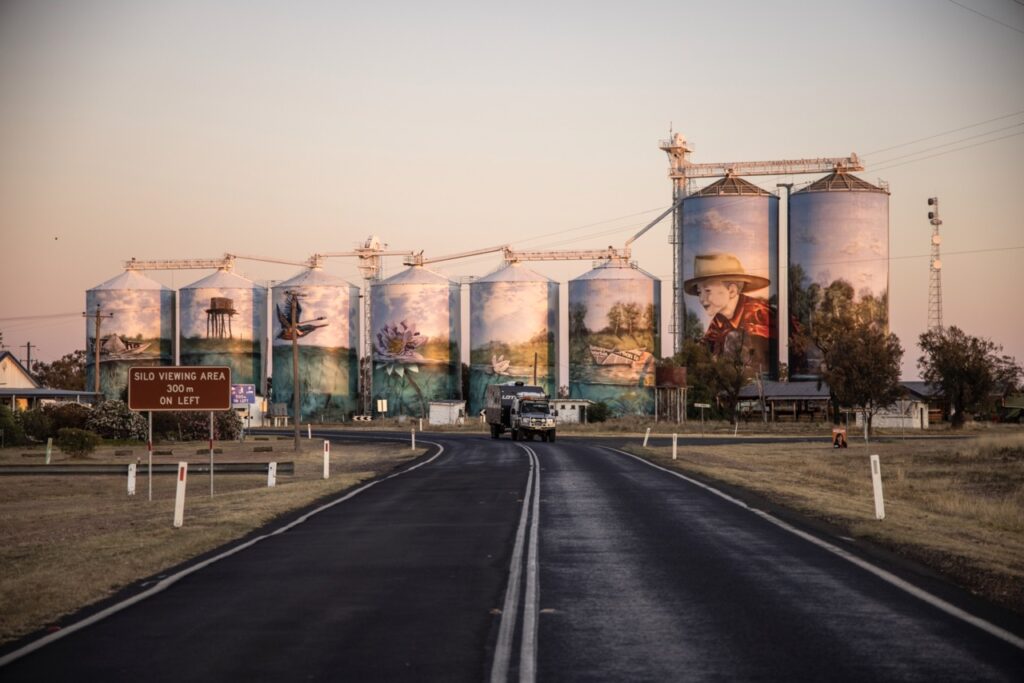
[515,435]
[551,436]
[494,431]
[544,436]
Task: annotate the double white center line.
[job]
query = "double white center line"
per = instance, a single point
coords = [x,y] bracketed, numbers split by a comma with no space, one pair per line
[526,537]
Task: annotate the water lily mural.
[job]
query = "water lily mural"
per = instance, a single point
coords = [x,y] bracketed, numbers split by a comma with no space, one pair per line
[415,317]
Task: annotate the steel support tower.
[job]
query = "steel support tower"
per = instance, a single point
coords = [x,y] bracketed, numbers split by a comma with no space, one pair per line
[935,270]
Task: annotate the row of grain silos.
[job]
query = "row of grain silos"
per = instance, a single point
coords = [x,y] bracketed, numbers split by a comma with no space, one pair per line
[729,271]
[728,260]
[416,333]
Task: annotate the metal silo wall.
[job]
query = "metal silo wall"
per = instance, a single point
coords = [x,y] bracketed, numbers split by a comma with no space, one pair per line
[838,254]
[624,382]
[141,332]
[741,229]
[509,323]
[328,352]
[416,329]
[241,347]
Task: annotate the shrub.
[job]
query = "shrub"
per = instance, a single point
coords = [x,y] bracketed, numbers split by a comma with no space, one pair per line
[37,424]
[14,435]
[195,426]
[77,442]
[67,415]
[113,420]
[599,412]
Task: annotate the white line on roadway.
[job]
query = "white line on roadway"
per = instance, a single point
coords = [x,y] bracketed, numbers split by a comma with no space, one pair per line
[510,609]
[528,652]
[169,581]
[886,576]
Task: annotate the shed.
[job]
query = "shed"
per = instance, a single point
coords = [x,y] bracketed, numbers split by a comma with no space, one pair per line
[447,412]
[571,410]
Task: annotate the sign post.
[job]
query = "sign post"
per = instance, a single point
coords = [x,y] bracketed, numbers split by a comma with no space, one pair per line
[702,406]
[197,388]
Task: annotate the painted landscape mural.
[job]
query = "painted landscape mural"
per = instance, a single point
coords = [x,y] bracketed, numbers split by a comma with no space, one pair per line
[224,325]
[139,331]
[513,325]
[614,325]
[838,252]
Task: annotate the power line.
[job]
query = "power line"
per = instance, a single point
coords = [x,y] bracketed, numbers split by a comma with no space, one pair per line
[950,151]
[947,132]
[39,317]
[953,142]
[971,9]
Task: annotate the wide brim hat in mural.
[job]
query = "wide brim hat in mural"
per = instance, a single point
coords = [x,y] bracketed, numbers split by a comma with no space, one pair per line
[720,267]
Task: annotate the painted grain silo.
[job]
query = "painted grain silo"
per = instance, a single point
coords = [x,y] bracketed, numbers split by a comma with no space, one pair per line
[513,327]
[223,320]
[838,259]
[614,337]
[729,266]
[139,331]
[416,331]
[327,324]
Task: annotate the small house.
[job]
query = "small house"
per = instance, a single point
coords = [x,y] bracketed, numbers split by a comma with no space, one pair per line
[447,412]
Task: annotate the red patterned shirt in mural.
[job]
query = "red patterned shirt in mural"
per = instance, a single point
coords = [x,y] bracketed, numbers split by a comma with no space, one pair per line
[752,316]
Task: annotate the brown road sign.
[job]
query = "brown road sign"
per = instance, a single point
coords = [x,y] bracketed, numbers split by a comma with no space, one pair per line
[180,387]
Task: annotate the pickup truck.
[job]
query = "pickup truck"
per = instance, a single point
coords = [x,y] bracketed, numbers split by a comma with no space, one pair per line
[519,409]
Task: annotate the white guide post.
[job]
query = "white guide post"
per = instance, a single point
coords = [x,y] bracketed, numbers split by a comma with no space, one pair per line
[272,475]
[675,444]
[647,436]
[211,454]
[131,479]
[421,424]
[309,431]
[179,496]
[876,482]
[49,449]
[327,459]
[413,433]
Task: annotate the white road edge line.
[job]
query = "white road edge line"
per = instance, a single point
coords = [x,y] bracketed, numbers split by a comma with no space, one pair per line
[169,581]
[528,651]
[886,576]
[510,609]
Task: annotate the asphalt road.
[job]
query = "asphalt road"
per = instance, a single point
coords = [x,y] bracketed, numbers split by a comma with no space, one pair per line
[619,571]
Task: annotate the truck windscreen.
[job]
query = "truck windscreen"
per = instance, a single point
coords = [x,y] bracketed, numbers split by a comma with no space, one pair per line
[535,407]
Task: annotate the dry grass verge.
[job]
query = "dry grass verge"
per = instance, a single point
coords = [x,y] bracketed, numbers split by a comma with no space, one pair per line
[955,505]
[69,541]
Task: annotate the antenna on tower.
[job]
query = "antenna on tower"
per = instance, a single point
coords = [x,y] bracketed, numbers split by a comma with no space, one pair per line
[935,270]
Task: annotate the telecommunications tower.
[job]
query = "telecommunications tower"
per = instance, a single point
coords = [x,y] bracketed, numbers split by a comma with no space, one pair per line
[935,270]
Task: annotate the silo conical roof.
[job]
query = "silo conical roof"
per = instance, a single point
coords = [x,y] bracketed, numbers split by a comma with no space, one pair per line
[514,272]
[131,279]
[416,275]
[615,270]
[314,277]
[733,186]
[223,279]
[841,181]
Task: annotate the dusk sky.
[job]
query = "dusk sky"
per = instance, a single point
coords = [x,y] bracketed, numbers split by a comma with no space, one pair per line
[188,129]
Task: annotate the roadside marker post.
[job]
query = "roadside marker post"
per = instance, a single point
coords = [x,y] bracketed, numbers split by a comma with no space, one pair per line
[131,479]
[309,431]
[327,459]
[211,454]
[179,496]
[413,433]
[49,449]
[272,475]
[647,436]
[876,482]
[675,443]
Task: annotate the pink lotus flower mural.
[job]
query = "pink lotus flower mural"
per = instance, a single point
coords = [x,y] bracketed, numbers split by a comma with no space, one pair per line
[396,354]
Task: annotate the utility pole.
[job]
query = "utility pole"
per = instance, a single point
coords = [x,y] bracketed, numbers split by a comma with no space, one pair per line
[98,319]
[294,331]
[28,356]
